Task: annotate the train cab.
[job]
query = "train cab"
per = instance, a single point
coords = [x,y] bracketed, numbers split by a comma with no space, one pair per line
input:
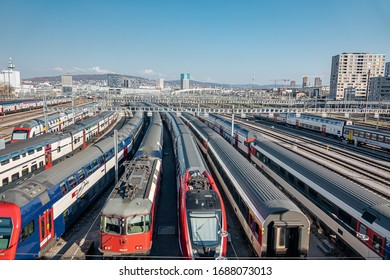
[10,223]
[204,217]
[19,134]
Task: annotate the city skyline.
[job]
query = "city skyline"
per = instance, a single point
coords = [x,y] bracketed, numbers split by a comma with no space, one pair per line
[215,41]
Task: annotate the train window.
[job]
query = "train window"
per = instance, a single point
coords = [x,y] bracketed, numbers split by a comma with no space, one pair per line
[27,231]
[24,155]
[387,139]
[30,152]
[5,181]
[355,133]
[25,172]
[34,167]
[373,136]
[4,162]
[380,138]
[148,222]
[111,225]
[301,185]
[280,237]
[58,149]
[49,222]
[40,164]
[72,182]
[361,134]
[257,230]
[135,224]
[5,232]
[81,175]
[66,216]
[312,193]
[16,157]
[376,243]
[63,188]
[39,149]
[15,177]
[367,135]
[327,205]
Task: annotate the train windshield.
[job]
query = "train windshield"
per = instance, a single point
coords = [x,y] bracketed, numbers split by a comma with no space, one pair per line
[19,135]
[138,224]
[111,225]
[5,232]
[205,227]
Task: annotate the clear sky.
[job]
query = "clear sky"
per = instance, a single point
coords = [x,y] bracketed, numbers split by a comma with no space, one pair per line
[218,41]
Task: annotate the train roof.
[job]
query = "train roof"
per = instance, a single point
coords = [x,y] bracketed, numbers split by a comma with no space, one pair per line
[38,184]
[131,196]
[191,157]
[79,125]
[20,147]
[153,139]
[368,129]
[360,199]
[248,133]
[201,127]
[264,195]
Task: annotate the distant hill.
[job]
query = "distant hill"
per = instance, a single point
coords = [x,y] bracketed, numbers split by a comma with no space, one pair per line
[173,83]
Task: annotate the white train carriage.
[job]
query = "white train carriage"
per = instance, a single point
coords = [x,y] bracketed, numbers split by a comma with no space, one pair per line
[367,136]
[325,126]
[358,217]
[20,159]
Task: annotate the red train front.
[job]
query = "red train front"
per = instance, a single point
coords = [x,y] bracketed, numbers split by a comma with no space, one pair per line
[10,223]
[203,228]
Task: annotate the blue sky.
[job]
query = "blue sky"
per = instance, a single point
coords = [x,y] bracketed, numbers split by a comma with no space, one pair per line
[217,41]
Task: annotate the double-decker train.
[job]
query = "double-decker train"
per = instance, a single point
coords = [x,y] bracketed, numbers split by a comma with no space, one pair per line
[274,225]
[11,107]
[354,215]
[22,159]
[55,122]
[337,128]
[202,216]
[128,217]
[36,212]
[242,137]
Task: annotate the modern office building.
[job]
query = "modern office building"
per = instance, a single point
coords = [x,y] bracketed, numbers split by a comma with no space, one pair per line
[11,77]
[387,69]
[379,89]
[317,82]
[353,70]
[66,83]
[160,84]
[114,81]
[293,84]
[305,81]
[184,81]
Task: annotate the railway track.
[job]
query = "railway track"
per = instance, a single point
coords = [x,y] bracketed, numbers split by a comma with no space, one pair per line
[361,169]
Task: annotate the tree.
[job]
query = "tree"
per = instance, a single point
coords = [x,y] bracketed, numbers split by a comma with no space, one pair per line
[6,90]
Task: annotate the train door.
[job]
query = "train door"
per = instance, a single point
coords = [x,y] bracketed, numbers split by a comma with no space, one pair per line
[84,140]
[236,140]
[283,241]
[48,156]
[46,227]
[98,127]
[297,123]
[125,153]
[323,129]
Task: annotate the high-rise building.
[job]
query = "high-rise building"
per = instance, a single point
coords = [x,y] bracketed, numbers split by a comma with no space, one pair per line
[125,82]
[11,77]
[353,70]
[387,69]
[66,83]
[160,84]
[317,82]
[379,89]
[292,84]
[114,81]
[305,81]
[184,81]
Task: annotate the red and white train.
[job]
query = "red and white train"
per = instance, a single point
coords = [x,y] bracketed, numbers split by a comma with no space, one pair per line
[202,216]
[128,217]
